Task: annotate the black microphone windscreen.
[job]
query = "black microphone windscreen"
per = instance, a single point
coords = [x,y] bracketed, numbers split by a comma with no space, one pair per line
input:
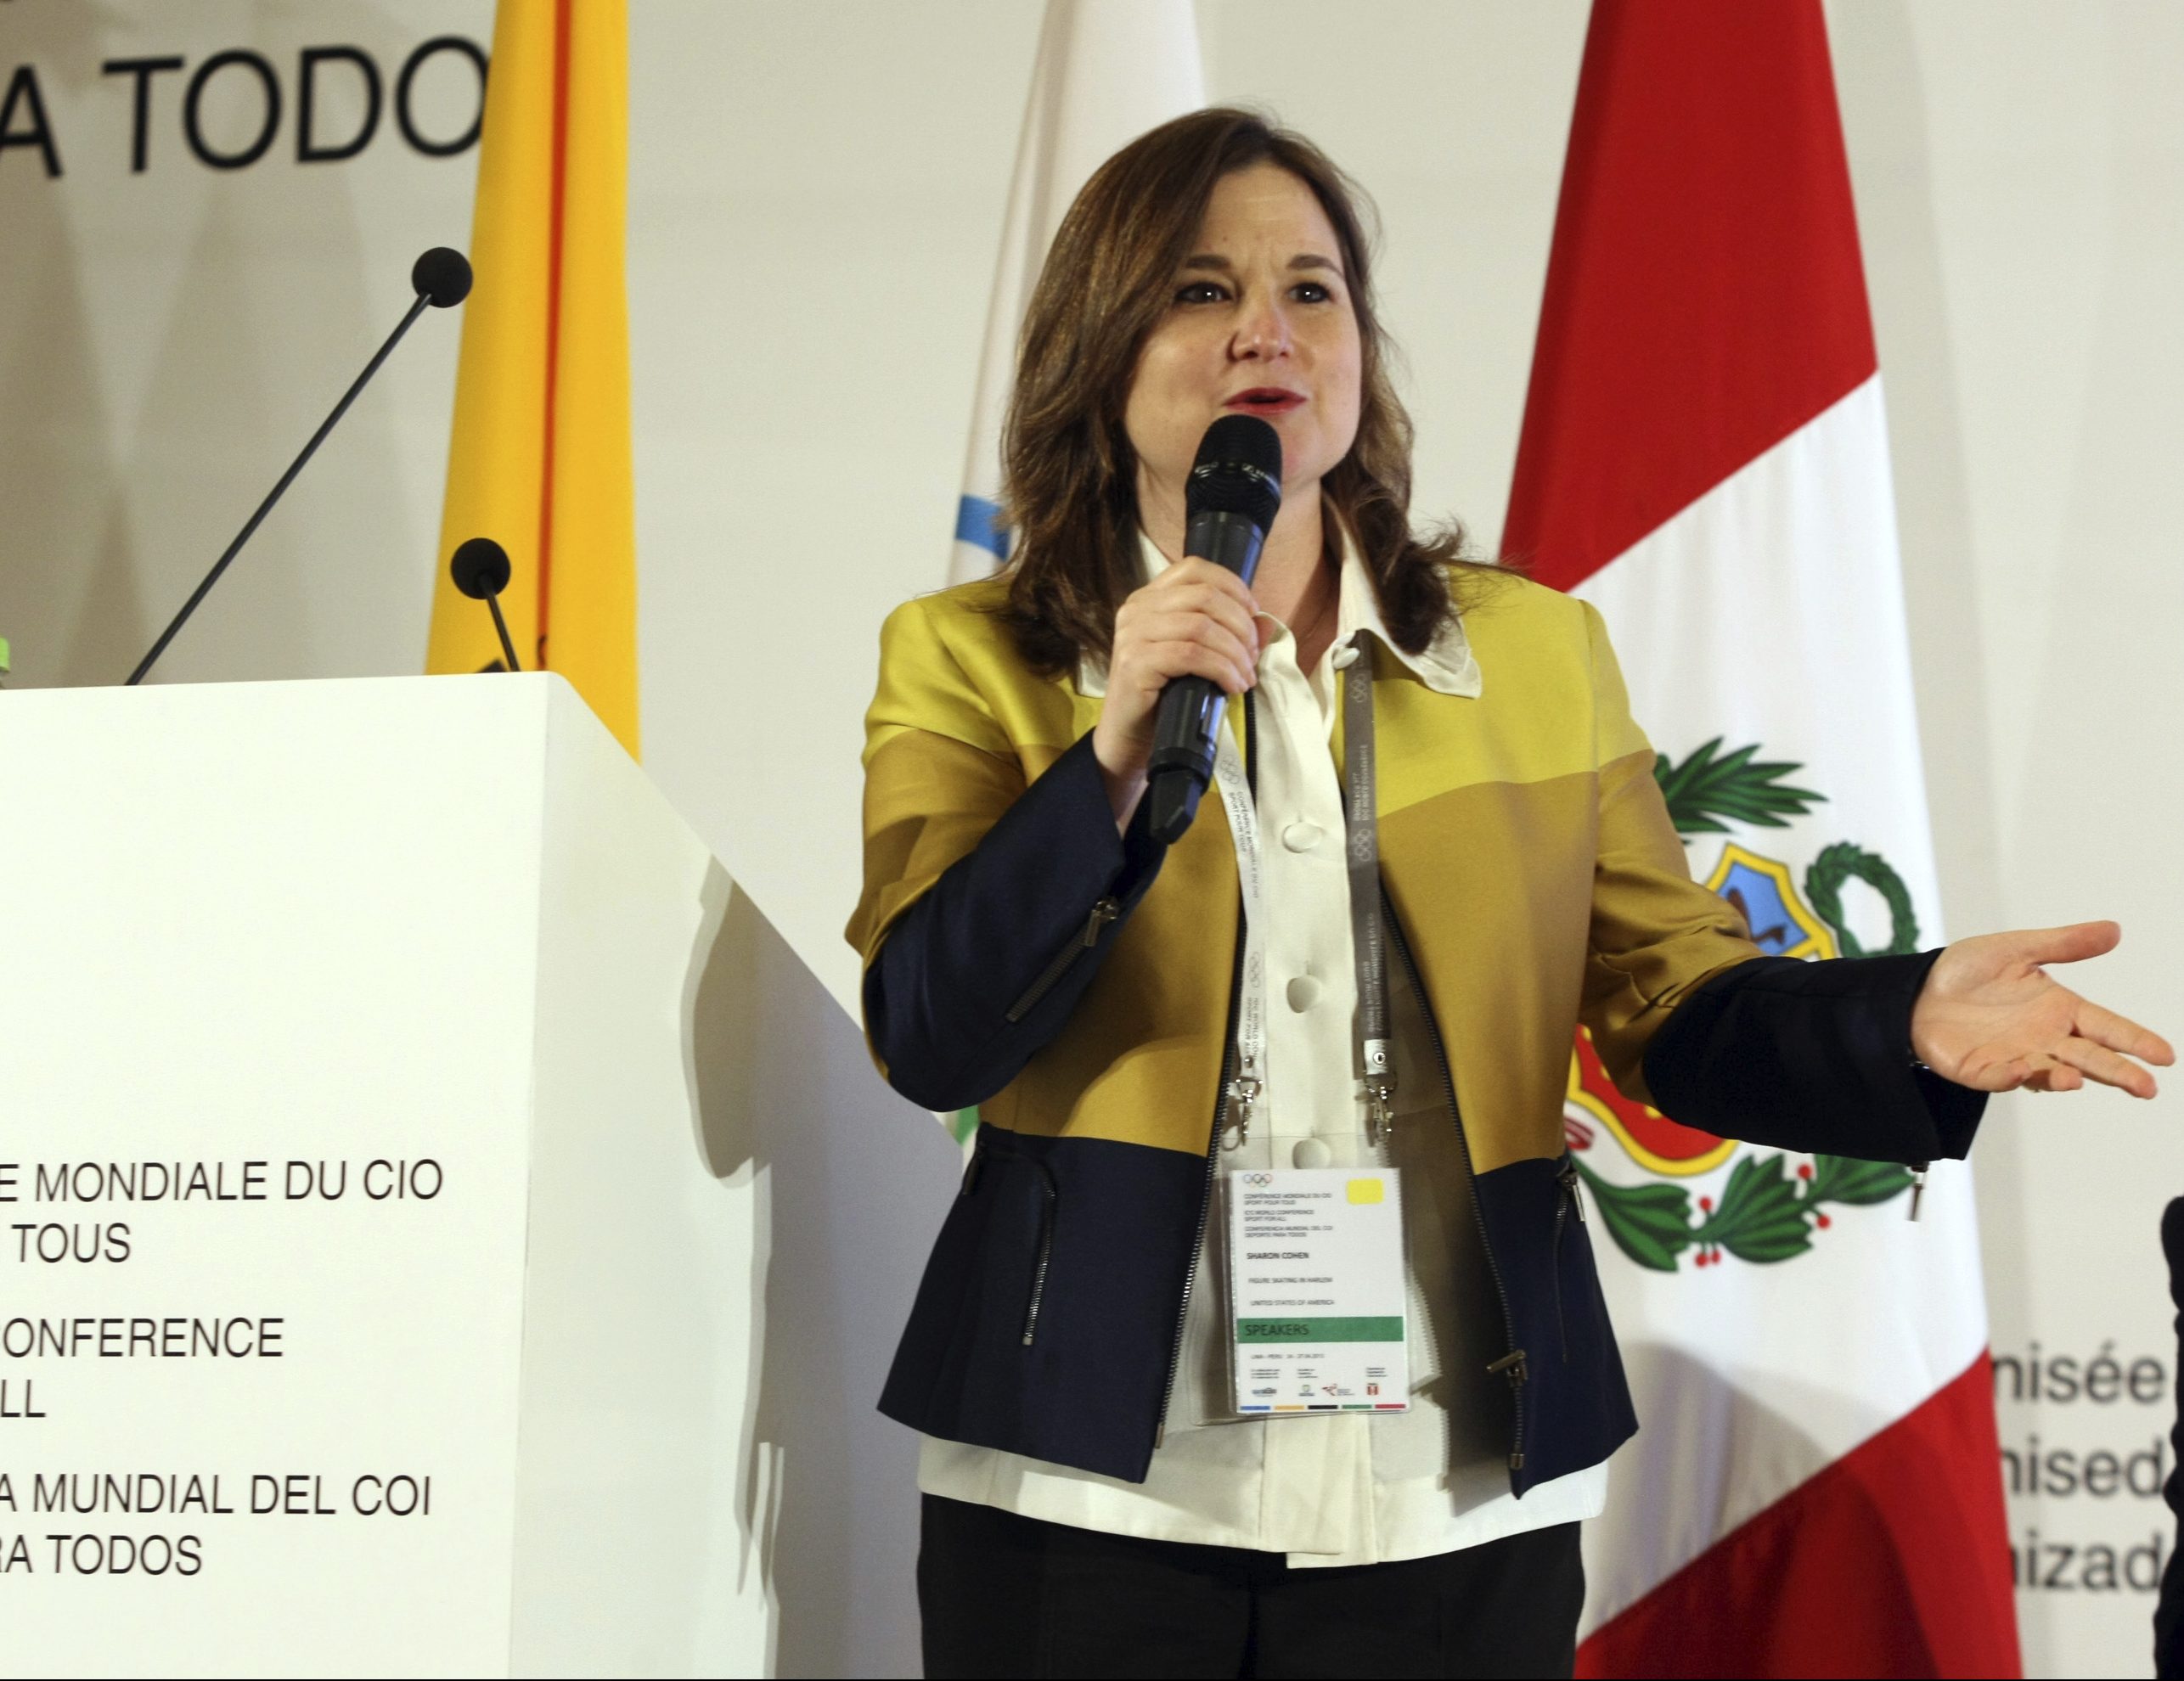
[480,568]
[1238,470]
[442,277]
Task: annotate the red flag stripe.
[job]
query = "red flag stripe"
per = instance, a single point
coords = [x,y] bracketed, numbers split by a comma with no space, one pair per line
[1705,296]
[1892,1562]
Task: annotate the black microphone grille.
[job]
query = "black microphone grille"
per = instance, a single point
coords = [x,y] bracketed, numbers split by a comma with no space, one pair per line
[442,277]
[480,568]
[1238,470]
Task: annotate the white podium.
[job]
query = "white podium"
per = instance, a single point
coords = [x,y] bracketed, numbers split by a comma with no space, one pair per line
[372,1301]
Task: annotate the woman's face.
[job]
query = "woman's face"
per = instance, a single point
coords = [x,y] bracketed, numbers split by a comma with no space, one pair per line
[1260,324]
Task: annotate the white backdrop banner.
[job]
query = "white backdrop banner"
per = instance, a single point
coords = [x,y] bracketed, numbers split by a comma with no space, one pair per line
[211,214]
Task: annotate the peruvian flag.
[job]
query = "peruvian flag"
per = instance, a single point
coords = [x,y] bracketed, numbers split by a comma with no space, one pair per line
[1815,1490]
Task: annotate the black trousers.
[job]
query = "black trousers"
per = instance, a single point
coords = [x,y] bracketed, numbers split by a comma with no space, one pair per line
[1005,1595]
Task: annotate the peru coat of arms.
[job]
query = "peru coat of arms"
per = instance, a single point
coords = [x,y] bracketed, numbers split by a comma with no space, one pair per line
[1766,1210]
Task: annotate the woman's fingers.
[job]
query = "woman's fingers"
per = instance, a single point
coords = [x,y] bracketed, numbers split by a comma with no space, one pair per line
[2070,943]
[2036,1072]
[2097,1062]
[1157,638]
[1202,574]
[1219,595]
[1194,571]
[1194,619]
[1196,656]
[2119,1033]
[1983,1067]
[2073,1062]
[1200,634]
[1156,614]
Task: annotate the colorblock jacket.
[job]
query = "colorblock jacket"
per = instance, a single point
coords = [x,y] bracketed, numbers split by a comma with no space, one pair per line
[1078,985]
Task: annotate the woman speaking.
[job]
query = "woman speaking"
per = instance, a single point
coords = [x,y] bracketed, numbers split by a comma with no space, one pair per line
[1263,1337]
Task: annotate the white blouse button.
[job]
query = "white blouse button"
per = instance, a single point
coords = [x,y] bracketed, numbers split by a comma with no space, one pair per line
[1346,656]
[1303,993]
[1311,1153]
[1300,837]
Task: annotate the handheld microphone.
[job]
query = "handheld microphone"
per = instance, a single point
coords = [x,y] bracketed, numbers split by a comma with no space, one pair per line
[1229,504]
[481,571]
[441,279]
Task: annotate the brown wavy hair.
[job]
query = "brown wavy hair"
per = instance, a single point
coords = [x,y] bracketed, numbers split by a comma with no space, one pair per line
[1069,474]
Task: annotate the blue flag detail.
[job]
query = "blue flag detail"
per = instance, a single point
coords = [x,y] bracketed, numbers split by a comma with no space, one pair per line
[978,521]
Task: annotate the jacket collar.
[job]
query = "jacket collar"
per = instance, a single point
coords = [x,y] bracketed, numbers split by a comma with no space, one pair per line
[1445,666]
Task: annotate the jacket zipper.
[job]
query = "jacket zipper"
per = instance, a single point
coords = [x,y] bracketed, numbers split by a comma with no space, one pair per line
[1564,1203]
[1511,1365]
[1220,1111]
[1105,911]
[1050,1204]
[1047,1210]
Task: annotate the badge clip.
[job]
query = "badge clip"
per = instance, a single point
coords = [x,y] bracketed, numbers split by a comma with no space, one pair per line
[1243,1092]
[1380,1112]
[1379,1091]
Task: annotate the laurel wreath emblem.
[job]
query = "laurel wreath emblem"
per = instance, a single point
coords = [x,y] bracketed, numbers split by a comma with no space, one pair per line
[1841,863]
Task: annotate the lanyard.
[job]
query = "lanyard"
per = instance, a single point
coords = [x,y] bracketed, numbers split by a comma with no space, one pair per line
[1375,1066]
[1376,1062]
[1250,1081]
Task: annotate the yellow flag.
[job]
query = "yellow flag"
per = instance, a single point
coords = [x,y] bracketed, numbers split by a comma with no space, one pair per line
[540,460]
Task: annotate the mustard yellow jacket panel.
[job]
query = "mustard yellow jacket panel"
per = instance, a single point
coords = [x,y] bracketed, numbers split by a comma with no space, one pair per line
[1525,848]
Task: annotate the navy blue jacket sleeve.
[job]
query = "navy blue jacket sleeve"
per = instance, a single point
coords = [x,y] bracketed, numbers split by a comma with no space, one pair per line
[1813,1057]
[983,970]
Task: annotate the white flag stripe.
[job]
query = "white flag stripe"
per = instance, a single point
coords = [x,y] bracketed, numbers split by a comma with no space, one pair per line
[1770,612]
[1106,71]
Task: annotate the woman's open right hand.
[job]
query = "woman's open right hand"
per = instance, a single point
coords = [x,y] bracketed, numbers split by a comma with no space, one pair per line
[1194,620]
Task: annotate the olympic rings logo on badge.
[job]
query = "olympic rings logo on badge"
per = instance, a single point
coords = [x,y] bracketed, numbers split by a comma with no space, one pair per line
[1259,1178]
